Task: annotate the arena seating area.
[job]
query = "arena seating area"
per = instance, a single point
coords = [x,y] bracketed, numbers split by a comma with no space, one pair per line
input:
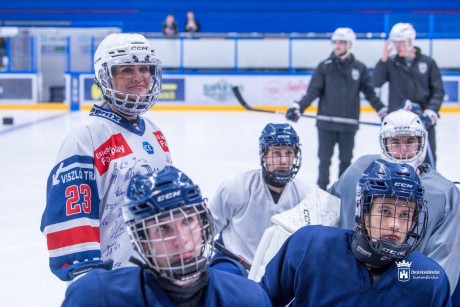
[435,19]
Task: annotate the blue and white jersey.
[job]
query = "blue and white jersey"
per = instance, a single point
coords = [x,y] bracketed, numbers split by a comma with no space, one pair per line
[318,268]
[136,287]
[242,209]
[442,239]
[82,220]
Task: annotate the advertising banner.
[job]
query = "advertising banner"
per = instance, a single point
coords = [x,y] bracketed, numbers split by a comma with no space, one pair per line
[216,89]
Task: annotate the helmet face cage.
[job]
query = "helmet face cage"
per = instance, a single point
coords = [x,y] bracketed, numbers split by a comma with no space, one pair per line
[168,223]
[380,220]
[411,134]
[176,244]
[278,144]
[391,211]
[127,49]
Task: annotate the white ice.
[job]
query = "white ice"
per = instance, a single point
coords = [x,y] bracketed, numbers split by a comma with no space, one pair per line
[208,146]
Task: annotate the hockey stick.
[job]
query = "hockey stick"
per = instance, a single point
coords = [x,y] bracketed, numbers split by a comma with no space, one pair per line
[228,253]
[334,119]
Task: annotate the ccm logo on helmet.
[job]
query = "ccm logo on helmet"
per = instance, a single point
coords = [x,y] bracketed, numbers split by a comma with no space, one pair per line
[403,185]
[139,48]
[168,196]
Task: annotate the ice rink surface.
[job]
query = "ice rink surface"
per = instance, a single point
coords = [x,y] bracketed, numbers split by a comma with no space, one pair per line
[208,146]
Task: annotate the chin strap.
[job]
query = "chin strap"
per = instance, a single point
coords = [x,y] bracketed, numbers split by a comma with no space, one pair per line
[138,262]
[364,252]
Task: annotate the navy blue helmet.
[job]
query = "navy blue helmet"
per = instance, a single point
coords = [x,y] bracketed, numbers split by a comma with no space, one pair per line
[280,136]
[391,194]
[164,208]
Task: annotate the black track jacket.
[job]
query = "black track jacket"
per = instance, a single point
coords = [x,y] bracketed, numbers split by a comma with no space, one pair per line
[338,85]
[421,82]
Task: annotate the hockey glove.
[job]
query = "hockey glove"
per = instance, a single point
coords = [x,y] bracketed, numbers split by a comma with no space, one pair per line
[293,113]
[417,109]
[407,105]
[429,118]
[382,112]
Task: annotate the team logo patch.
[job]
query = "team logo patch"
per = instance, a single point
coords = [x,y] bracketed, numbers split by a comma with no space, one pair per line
[148,148]
[114,148]
[403,270]
[161,140]
[355,74]
[422,67]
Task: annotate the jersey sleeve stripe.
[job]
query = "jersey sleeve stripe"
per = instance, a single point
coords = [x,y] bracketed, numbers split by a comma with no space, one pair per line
[70,224]
[72,236]
[73,249]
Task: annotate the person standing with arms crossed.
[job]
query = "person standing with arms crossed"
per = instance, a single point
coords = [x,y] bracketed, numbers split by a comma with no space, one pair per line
[85,191]
[415,83]
[337,82]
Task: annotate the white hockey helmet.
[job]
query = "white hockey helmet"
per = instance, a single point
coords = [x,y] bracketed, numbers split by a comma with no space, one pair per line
[126,49]
[344,34]
[403,32]
[403,123]
[347,35]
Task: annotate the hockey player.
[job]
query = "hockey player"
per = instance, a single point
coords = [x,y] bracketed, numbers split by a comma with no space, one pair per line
[328,266]
[413,78]
[403,138]
[82,221]
[243,205]
[171,229]
[337,82]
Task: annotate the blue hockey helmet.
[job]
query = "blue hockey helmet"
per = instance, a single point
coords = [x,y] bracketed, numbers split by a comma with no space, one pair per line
[390,187]
[164,208]
[279,135]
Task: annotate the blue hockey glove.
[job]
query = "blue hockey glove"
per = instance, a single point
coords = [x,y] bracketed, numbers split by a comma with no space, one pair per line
[429,118]
[293,113]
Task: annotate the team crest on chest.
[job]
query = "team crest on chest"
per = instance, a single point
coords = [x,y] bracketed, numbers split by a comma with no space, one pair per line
[148,148]
[355,74]
[422,67]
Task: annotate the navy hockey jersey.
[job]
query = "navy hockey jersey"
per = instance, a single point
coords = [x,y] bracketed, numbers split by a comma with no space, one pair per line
[317,267]
[136,287]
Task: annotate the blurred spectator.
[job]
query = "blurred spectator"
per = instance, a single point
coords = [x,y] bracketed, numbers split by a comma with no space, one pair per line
[3,60]
[170,27]
[192,25]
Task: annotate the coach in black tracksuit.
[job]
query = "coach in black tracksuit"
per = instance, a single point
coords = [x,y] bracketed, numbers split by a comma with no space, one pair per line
[417,80]
[337,82]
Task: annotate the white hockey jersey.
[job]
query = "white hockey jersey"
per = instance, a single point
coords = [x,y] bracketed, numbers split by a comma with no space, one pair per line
[242,209]
[82,220]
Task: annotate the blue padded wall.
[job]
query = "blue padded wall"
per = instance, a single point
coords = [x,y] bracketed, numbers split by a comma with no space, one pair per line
[438,17]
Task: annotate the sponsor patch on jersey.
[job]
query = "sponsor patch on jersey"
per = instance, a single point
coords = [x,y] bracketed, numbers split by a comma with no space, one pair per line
[100,112]
[114,148]
[148,148]
[355,74]
[161,140]
[422,67]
